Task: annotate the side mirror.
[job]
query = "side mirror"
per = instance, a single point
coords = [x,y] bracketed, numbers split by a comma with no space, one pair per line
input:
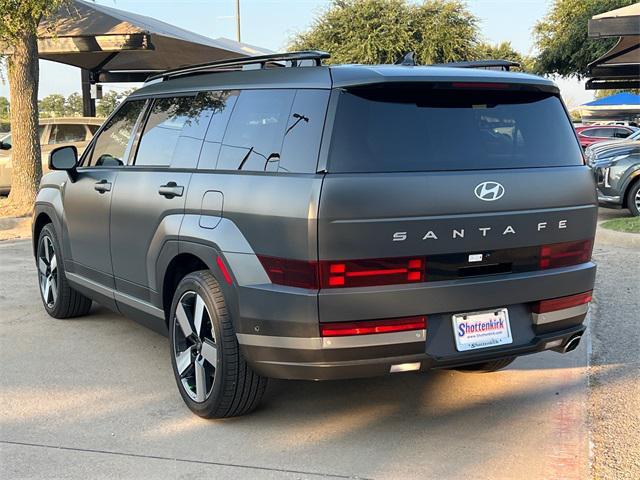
[64,158]
[5,146]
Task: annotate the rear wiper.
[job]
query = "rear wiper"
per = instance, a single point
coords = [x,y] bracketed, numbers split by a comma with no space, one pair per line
[244,160]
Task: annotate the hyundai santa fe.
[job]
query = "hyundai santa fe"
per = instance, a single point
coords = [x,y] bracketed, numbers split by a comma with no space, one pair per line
[279,218]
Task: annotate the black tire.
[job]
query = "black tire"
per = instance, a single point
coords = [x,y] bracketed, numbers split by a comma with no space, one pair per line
[487,367]
[67,302]
[633,194]
[232,387]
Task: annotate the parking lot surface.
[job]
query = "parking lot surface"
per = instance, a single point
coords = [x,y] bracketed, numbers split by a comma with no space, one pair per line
[94,397]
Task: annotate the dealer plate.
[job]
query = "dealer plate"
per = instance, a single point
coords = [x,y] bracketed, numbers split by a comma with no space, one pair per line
[481,329]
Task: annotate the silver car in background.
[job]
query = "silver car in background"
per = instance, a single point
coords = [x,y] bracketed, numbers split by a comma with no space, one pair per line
[53,132]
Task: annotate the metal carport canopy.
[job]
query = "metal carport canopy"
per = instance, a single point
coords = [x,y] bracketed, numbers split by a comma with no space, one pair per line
[620,66]
[115,45]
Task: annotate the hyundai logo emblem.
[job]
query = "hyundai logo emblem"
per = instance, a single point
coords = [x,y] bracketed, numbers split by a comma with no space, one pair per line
[489,191]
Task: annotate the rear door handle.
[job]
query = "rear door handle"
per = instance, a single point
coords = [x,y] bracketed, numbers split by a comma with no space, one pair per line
[102,186]
[171,189]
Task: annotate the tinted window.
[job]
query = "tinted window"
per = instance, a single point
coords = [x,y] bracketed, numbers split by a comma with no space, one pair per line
[415,129]
[255,131]
[67,133]
[622,133]
[304,132]
[224,103]
[174,130]
[112,145]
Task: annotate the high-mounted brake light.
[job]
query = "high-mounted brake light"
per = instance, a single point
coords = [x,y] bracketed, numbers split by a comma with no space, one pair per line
[554,304]
[370,272]
[565,254]
[481,85]
[369,327]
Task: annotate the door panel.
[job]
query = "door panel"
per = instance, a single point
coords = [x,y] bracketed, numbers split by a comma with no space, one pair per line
[147,209]
[87,203]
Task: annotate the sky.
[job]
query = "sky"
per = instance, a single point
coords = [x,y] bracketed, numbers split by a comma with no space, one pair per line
[272,23]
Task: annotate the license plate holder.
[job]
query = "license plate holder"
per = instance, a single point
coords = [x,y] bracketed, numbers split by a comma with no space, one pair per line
[485,329]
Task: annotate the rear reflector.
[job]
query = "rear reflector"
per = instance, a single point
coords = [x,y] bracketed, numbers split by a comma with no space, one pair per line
[225,271]
[368,327]
[370,272]
[561,303]
[565,254]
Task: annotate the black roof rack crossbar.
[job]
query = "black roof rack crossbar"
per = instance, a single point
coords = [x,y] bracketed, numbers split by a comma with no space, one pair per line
[260,60]
[487,64]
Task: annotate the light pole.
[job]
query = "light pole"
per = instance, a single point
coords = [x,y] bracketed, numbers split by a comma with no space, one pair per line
[238,18]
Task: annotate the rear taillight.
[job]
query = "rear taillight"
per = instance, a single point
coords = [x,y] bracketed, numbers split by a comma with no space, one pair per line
[344,273]
[565,254]
[294,273]
[370,272]
[554,304]
[369,327]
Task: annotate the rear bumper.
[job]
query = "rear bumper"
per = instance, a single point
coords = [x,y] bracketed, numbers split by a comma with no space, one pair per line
[609,200]
[375,355]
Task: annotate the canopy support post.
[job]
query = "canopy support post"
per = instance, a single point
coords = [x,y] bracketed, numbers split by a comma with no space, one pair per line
[88,103]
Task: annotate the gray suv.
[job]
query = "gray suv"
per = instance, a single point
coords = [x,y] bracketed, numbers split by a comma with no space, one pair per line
[276,217]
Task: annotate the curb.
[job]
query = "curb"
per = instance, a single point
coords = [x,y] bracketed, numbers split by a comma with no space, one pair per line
[15,228]
[605,236]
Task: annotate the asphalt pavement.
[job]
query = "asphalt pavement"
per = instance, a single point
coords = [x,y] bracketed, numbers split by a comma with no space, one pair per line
[94,397]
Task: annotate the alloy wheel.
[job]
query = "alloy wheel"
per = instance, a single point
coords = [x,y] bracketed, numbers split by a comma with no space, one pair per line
[637,200]
[194,346]
[48,271]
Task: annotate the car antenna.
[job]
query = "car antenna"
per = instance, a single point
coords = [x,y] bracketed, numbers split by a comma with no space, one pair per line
[409,60]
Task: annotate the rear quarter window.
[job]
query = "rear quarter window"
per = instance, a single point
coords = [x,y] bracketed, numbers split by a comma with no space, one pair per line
[395,129]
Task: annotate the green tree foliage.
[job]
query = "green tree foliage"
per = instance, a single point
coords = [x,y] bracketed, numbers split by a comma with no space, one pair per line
[503,51]
[4,107]
[52,105]
[561,36]
[110,101]
[73,105]
[382,31]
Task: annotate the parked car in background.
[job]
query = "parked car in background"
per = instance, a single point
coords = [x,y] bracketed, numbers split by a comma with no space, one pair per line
[597,133]
[53,133]
[616,167]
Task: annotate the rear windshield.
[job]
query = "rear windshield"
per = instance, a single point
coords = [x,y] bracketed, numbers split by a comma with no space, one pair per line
[408,129]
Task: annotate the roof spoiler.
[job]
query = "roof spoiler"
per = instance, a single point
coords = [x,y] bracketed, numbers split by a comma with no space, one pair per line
[290,59]
[504,65]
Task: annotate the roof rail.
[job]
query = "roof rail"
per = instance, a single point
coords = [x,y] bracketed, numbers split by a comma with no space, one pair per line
[234,63]
[486,64]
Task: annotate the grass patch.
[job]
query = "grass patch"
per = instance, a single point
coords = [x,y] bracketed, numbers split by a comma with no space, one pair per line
[628,224]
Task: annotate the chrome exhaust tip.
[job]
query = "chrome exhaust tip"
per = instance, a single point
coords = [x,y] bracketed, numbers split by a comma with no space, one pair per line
[572,344]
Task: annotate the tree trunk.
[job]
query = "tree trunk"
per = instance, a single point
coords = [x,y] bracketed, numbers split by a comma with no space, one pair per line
[25,149]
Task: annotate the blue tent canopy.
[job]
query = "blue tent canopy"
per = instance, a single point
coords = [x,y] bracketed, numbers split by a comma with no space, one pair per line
[624,98]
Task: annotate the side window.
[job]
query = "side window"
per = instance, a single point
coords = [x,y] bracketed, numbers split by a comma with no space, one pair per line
[113,143]
[67,133]
[175,129]
[224,101]
[622,133]
[162,130]
[253,138]
[93,128]
[304,132]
